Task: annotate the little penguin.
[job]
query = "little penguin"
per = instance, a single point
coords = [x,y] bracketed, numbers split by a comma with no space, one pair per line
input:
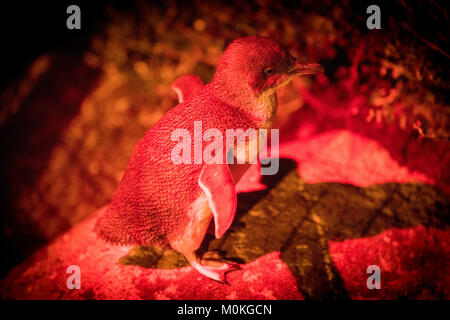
[160,202]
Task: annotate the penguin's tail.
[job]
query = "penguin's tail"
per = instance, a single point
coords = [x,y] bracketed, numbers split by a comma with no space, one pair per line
[110,227]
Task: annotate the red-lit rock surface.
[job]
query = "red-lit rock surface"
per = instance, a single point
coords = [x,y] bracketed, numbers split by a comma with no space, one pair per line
[414,264]
[339,204]
[102,277]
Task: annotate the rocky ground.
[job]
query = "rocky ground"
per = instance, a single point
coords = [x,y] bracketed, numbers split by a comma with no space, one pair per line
[294,239]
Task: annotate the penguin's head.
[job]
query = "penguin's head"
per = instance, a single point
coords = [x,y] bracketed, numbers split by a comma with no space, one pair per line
[257,65]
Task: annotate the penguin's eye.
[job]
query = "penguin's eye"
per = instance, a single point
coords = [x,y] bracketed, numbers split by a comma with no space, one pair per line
[268,71]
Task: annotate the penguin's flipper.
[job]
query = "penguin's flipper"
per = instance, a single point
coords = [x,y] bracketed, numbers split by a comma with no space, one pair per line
[217,183]
[185,86]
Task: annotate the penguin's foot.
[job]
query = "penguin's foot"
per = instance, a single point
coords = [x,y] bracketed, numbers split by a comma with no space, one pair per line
[216,265]
[215,269]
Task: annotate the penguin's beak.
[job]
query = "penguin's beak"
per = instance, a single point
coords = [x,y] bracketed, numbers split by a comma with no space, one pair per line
[297,69]
[305,68]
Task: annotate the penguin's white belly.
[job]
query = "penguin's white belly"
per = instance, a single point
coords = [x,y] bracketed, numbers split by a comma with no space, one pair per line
[199,216]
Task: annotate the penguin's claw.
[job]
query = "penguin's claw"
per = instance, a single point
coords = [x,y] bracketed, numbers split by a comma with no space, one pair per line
[217,272]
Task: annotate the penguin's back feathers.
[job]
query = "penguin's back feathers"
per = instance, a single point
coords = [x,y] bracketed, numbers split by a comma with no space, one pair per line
[151,203]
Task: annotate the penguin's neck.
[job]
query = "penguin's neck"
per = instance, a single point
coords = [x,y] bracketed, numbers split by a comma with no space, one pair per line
[262,107]
[266,107]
